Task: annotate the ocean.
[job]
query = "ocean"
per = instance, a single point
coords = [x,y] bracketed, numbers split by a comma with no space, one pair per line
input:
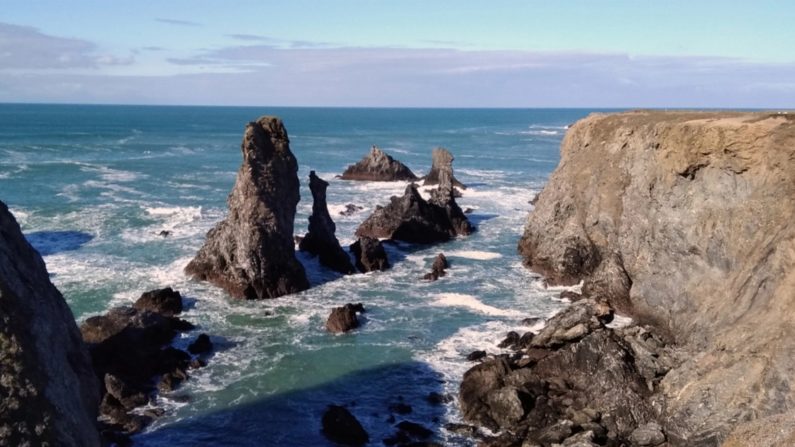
[94,186]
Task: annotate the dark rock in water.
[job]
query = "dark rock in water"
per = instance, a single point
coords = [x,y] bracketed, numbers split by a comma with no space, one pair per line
[126,395]
[414,430]
[435,398]
[476,355]
[164,233]
[351,209]
[369,254]
[469,211]
[343,319]
[442,161]
[400,408]
[461,429]
[251,253]
[49,391]
[411,218]
[320,240]
[340,426]
[201,345]
[377,166]
[510,340]
[438,268]
[166,302]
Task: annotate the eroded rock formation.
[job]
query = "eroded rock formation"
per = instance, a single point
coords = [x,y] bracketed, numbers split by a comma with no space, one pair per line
[684,221]
[320,240]
[369,254]
[378,166]
[251,253]
[442,160]
[49,392]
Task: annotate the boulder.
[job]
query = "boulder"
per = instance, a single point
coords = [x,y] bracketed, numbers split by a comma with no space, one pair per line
[320,240]
[340,426]
[201,345]
[438,268]
[167,302]
[572,323]
[442,161]
[369,254]
[343,319]
[251,253]
[378,166]
[49,391]
[351,209]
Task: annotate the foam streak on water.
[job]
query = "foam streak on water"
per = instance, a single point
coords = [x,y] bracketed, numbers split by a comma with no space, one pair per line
[122,203]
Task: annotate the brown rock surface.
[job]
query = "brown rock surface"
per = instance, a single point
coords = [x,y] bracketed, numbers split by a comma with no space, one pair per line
[684,220]
[378,166]
[442,160]
[251,253]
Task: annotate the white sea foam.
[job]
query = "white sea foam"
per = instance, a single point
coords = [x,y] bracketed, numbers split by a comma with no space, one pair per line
[471,302]
[619,321]
[474,254]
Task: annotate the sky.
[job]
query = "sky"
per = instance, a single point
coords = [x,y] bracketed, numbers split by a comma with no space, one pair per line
[371,53]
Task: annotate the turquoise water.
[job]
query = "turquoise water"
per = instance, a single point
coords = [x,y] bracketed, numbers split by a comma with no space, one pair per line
[92,186]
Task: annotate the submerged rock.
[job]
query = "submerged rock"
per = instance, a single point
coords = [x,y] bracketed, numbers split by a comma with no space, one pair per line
[442,161]
[351,209]
[378,166]
[369,254]
[251,253]
[320,240]
[49,391]
[340,426]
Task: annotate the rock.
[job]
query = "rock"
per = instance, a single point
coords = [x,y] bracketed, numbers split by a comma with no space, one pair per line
[414,430]
[468,211]
[201,345]
[476,355]
[350,209]
[320,240]
[127,396]
[682,220]
[510,340]
[438,268]
[571,296]
[572,323]
[369,254]
[343,319]
[378,166]
[461,429]
[49,391]
[166,302]
[251,253]
[435,398]
[340,426]
[164,233]
[400,408]
[411,218]
[442,161]
[649,434]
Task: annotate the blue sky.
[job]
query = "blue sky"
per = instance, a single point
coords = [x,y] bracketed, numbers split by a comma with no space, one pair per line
[400,53]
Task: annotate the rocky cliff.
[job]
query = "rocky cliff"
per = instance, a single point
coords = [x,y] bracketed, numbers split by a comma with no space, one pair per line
[251,253]
[49,392]
[684,220]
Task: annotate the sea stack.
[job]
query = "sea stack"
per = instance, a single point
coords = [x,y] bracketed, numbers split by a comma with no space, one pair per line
[683,220]
[442,161]
[378,166]
[50,394]
[320,240]
[251,253]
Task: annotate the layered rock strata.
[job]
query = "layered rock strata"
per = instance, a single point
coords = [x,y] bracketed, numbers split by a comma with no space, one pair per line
[684,221]
[251,253]
[378,166]
[320,240]
[49,391]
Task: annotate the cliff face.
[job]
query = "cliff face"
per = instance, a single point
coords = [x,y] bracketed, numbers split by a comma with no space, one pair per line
[684,220]
[251,253]
[49,392]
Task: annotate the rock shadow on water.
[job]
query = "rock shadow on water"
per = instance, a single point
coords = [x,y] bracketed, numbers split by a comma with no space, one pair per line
[53,242]
[380,398]
[476,218]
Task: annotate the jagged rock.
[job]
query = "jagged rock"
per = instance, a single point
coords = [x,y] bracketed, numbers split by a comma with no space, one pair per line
[411,218]
[350,209]
[343,319]
[167,302]
[320,240]
[49,391]
[442,161]
[574,322]
[476,355]
[511,339]
[378,166]
[438,268]
[201,345]
[369,254]
[340,426]
[414,430]
[684,220]
[251,253]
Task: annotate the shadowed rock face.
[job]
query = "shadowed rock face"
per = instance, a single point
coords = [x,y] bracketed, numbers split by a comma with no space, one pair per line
[320,240]
[378,166]
[251,253]
[684,220]
[369,254]
[48,389]
[442,161]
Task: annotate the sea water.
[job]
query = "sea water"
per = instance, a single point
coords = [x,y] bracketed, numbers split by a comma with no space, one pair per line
[93,187]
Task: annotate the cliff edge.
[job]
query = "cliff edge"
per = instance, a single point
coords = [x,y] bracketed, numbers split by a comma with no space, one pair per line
[684,221]
[49,392]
